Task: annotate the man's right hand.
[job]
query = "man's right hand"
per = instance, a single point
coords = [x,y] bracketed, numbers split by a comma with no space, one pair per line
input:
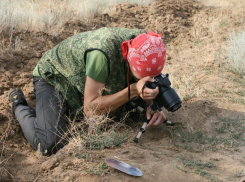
[146,93]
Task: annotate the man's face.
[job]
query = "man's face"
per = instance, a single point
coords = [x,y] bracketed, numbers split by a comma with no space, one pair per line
[135,75]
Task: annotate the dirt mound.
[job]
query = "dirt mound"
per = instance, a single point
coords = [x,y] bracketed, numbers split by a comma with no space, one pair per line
[164,152]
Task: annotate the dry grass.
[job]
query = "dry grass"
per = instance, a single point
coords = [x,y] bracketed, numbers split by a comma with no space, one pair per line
[48,15]
[236,52]
[4,161]
[97,132]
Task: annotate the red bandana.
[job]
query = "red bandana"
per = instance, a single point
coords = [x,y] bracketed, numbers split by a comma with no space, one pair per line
[146,54]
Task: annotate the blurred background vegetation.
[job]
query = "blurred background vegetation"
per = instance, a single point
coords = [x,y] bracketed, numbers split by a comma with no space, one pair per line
[35,15]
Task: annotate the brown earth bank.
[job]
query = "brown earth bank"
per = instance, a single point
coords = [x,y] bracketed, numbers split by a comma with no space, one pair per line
[207,142]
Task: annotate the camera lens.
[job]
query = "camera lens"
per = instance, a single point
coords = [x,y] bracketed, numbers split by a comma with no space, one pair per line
[169,99]
[175,107]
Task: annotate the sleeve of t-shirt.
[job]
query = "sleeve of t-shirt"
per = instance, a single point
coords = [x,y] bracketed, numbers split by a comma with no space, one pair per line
[97,66]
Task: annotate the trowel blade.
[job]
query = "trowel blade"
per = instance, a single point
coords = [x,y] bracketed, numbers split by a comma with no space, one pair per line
[126,168]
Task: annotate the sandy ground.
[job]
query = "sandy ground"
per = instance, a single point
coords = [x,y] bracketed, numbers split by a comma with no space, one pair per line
[207,142]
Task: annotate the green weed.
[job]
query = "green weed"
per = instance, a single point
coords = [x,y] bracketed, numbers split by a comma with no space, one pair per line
[181,168]
[157,154]
[224,93]
[230,133]
[240,92]
[236,175]
[198,42]
[234,129]
[224,38]
[187,140]
[238,79]
[208,70]
[100,170]
[198,166]
[83,156]
[187,97]
[224,23]
[238,101]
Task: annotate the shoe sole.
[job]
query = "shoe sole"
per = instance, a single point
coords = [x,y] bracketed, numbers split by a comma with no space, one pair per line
[17,90]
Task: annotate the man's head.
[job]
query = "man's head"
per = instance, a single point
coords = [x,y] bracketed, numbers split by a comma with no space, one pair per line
[145,54]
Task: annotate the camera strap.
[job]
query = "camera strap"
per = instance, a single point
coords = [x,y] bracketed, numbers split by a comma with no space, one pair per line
[128,82]
[143,88]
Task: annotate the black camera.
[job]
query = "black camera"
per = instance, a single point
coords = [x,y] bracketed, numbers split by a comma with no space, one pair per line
[167,97]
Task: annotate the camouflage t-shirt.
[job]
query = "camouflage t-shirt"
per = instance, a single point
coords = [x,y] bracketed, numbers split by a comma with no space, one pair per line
[64,66]
[96,66]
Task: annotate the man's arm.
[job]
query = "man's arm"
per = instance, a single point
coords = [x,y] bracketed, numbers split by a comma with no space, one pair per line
[94,102]
[98,104]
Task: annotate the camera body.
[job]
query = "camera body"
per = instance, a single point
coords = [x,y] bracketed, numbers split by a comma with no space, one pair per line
[167,97]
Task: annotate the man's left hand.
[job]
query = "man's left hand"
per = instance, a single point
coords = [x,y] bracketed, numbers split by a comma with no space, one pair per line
[156,118]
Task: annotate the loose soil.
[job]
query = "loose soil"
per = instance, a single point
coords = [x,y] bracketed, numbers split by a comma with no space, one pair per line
[195,35]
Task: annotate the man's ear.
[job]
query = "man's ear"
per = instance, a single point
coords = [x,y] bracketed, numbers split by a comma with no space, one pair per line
[124,47]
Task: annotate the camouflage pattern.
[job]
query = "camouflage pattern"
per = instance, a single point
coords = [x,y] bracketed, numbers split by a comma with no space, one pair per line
[64,66]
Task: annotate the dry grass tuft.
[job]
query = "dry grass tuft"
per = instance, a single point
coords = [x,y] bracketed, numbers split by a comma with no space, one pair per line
[97,132]
[4,161]
[236,52]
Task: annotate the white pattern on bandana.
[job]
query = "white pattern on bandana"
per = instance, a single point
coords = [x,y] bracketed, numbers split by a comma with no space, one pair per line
[146,46]
[153,50]
[143,58]
[148,69]
[133,54]
[147,49]
[138,68]
[163,48]
[154,60]
[158,41]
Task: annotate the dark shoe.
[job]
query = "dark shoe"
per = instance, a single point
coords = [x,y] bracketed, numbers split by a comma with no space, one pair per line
[17,97]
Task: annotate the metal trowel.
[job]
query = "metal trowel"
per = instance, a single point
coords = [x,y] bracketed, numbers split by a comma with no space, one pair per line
[126,168]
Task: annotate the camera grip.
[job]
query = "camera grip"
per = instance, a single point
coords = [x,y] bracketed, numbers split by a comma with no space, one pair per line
[151,85]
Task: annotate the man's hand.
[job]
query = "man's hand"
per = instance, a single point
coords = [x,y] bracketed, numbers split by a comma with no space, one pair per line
[147,93]
[157,117]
